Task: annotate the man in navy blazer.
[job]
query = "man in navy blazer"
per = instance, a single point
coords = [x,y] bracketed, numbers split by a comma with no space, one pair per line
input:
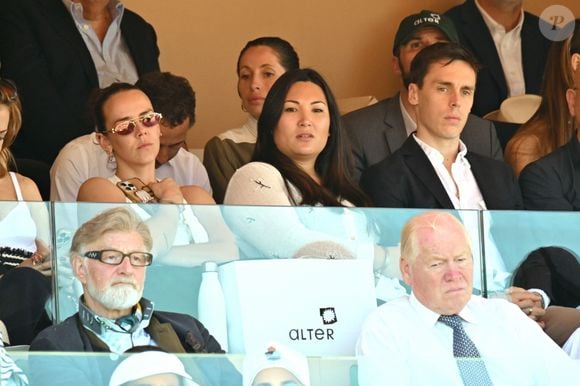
[44,53]
[492,87]
[379,130]
[434,168]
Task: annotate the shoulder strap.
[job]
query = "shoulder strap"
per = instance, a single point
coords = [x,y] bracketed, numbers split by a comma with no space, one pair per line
[16,186]
[165,336]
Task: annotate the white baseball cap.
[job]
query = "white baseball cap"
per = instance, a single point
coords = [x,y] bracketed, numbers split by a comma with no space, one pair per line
[148,363]
[276,355]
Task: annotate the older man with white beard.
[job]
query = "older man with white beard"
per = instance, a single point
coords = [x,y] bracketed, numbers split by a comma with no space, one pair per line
[109,256]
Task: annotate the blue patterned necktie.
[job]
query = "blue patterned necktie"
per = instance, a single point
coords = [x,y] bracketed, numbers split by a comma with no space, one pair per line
[471,367]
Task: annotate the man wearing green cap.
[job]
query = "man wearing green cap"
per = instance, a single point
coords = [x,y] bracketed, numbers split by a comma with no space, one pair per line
[377,131]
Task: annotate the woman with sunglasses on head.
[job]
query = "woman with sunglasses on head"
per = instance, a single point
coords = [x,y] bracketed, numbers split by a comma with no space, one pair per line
[128,128]
[24,235]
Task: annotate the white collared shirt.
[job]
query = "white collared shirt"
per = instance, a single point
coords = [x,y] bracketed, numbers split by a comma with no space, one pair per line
[508,45]
[111,57]
[460,185]
[410,124]
[403,343]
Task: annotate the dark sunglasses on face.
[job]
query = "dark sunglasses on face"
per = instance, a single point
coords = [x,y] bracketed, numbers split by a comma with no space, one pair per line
[126,127]
[8,91]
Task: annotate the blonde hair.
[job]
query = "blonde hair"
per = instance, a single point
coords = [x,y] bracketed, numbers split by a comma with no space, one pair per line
[438,222]
[14,123]
[118,219]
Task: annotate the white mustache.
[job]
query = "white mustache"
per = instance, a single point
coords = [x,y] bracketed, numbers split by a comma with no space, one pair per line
[125,281]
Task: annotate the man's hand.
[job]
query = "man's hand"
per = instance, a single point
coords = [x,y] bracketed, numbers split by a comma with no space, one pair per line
[529,302]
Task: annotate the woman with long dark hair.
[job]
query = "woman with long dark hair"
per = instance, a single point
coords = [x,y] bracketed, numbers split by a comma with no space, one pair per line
[300,151]
[300,161]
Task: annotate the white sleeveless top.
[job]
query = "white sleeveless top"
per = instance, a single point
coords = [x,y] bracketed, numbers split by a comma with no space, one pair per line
[18,229]
[189,229]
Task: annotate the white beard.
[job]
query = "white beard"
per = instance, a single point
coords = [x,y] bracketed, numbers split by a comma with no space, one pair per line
[116,297]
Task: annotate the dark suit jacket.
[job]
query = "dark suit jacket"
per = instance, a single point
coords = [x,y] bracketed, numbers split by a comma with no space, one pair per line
[377,131]
[71,336]
[551,182]
[406,179]
[491,88]
[42,51]
[554,270]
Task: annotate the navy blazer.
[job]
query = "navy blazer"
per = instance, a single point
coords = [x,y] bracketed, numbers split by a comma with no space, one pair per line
[407,179]
[491,88]
[550,183]
[42,51]
[378,130]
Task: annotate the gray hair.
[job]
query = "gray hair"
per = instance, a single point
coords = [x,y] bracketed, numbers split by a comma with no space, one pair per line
[118,219]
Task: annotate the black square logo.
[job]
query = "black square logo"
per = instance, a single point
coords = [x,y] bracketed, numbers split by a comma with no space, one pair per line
[328,315]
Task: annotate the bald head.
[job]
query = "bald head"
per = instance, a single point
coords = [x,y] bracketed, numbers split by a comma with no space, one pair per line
[421,228]
[436,261]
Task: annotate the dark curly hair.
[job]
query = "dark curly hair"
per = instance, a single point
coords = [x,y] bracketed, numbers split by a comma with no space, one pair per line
[170,95]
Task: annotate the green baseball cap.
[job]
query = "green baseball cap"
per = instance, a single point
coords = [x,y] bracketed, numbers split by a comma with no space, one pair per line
[425,18]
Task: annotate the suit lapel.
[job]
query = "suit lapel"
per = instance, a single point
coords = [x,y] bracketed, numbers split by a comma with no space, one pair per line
[573,154]
[65,26]
[395,132]
[133,41]
[475,31]
[421,167]
[533,65]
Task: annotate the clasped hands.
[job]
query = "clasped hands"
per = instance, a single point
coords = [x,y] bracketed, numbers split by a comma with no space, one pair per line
[531,303]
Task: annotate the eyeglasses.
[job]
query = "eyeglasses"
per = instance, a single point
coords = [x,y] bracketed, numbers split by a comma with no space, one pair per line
[149,119]
[114,257]
[8,91]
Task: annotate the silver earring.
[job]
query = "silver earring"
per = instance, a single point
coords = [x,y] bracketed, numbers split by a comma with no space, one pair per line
[111,161]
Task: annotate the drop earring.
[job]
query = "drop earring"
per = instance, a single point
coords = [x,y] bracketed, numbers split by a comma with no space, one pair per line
[111,161]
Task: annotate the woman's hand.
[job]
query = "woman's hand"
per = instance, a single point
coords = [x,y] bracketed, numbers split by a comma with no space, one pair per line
[167,191]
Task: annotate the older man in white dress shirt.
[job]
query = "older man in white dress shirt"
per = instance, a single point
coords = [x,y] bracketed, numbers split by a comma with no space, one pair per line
[410,341]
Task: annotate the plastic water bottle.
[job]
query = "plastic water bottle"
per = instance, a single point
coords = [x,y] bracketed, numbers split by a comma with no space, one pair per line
[211,306]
